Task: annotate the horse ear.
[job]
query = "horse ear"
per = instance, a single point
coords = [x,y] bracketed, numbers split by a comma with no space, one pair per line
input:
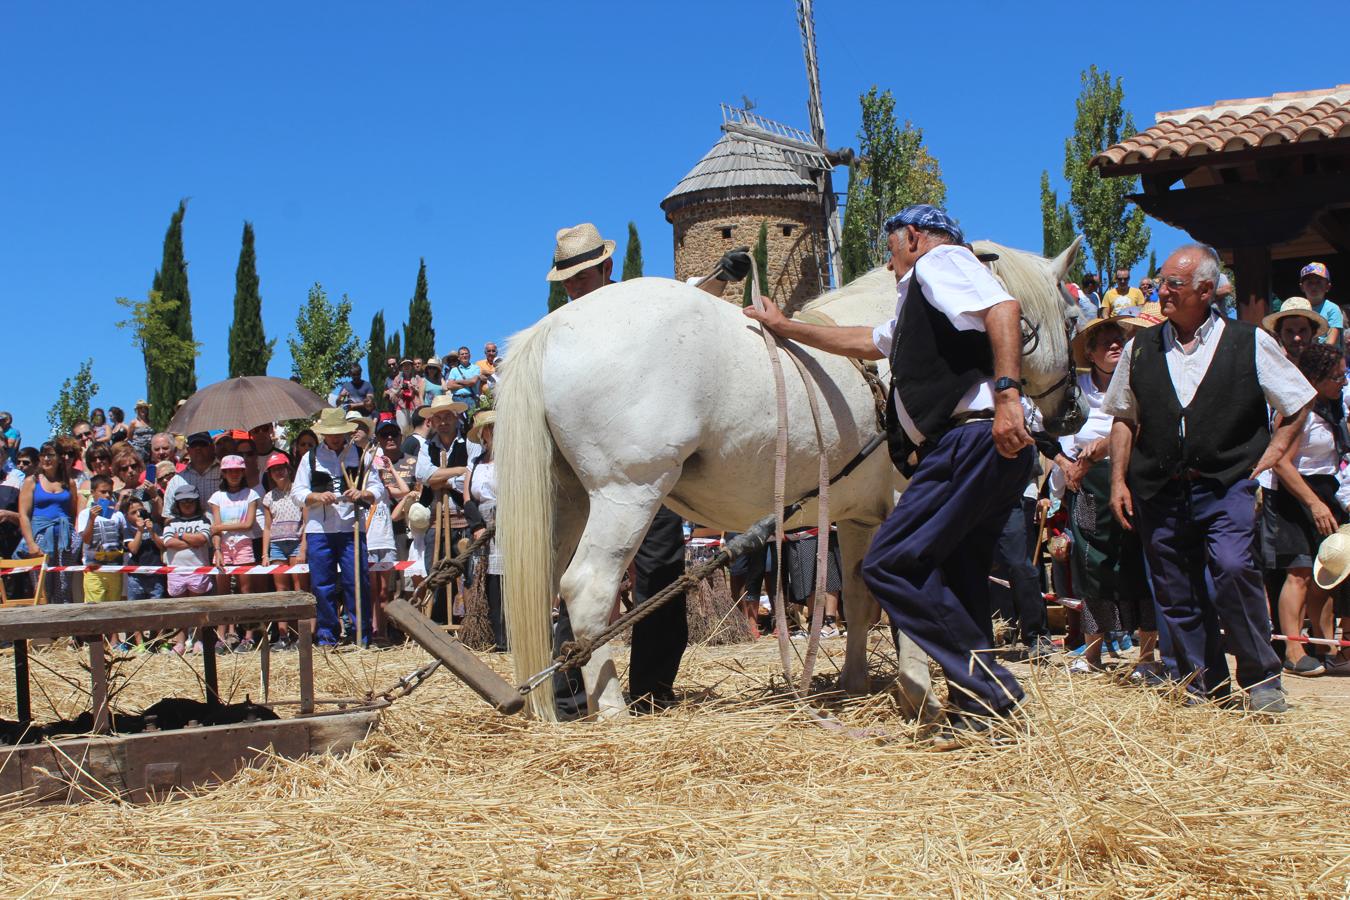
[1061,264]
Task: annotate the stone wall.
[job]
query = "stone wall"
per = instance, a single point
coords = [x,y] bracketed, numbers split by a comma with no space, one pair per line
[796,229]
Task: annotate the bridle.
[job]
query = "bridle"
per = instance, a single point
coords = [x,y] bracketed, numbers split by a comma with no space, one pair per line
[1071,417]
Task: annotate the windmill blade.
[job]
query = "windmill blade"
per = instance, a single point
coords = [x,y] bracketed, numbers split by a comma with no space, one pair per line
[829,205]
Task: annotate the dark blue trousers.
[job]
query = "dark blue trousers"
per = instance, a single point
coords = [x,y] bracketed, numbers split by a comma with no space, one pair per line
[332,575]
[929,563]
[1195,529]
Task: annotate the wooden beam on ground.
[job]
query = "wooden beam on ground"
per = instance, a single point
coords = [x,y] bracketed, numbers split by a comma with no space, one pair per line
[486,683]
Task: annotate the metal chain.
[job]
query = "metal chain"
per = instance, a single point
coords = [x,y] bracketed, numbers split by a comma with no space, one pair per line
[406,684]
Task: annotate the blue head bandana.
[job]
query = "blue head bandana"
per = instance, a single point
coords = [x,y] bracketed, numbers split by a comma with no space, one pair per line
[922,215]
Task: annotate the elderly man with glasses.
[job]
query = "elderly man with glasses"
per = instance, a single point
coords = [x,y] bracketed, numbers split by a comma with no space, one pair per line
[1183,468]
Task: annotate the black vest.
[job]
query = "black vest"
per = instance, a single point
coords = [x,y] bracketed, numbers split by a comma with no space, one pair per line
[1222,433]
[933,365]
[454,456]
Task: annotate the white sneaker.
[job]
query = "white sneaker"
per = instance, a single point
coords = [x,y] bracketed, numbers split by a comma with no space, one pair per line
[1081,666]
[830,631]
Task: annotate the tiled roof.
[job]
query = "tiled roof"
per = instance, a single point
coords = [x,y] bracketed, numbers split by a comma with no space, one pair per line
[736,162]
[1231,125]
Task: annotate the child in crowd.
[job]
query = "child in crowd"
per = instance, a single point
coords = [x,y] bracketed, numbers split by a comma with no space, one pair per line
[103,531]
[187,543]
[144,545]
[283,534]
[234,510]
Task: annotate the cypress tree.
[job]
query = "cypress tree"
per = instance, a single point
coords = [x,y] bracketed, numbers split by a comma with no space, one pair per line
[250,351]
[761,253]
[392,348]
[557,297]
[167,385]
[632,257]
[375,354]
[419,337]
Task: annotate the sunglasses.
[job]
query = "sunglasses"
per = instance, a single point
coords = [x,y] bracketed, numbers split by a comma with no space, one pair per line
[84,435]
[26,462]
[69,454]
[129,467]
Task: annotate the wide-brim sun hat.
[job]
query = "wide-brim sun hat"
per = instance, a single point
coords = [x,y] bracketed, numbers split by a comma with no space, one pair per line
[577,249]
[1295,306]
[1333,560]
[480,421]
[443,403]
[332,421]
[1127,325]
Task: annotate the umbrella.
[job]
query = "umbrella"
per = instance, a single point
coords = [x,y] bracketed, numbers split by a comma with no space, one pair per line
[245,402]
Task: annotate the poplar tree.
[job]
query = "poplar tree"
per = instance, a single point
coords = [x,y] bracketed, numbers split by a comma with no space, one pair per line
[323,346]
[167,384]
[250,351]
[1057,227]
[419,336]
[1113,231]
[894,169]
[632,257]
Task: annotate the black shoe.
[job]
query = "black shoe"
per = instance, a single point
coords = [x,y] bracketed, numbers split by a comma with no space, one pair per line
[1267,700]
[1306,667]
[1042,650]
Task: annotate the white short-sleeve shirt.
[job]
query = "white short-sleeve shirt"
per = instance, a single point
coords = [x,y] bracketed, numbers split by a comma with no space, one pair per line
[960,287]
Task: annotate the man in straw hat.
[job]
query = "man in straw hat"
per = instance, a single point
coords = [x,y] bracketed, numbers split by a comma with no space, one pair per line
[956,350]
[1295,326]
[441,464]
[582,262]
[1183,465]
[331,480]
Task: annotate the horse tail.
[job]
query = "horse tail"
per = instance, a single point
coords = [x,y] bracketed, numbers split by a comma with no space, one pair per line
[526,500]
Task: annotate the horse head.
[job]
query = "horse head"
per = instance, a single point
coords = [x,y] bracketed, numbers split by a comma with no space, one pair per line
[1049,312]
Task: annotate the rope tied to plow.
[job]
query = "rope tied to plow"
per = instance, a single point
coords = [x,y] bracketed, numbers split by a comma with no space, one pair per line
[448,569]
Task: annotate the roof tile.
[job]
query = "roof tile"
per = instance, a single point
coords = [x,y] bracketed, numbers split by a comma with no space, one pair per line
[1230,125]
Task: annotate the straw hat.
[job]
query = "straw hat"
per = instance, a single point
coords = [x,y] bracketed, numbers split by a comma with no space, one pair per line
[1333,559]
[443,403]
[1126,324]
[333,421]
[419,518]
[480,421]
[432,361]
[360,421]
[1295,306]
[578,248]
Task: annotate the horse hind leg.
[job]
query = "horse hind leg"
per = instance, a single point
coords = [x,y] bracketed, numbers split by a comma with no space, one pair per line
[862,612]
[615,526]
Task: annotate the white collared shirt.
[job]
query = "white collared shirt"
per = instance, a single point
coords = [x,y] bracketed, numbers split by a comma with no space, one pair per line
[340,516]
[961,288]
[1281,382]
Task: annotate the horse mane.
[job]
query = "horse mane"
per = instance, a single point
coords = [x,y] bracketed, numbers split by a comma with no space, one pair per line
[1027,277]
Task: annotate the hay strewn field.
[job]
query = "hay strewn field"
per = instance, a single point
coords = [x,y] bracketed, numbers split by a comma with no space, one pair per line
[1115,793]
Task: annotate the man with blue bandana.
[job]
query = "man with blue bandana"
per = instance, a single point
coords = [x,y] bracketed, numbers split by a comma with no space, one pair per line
[955,347]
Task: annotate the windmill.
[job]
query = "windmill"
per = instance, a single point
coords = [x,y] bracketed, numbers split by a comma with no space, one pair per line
[806,151]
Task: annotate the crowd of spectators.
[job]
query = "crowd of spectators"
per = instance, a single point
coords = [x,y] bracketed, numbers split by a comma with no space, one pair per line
[114,492]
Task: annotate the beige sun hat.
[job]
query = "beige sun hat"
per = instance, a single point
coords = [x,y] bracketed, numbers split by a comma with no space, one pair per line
[578,248]
[333,421]
[1333,559]
[480,421]
[419,518]
[443,403]
[1295,306]
[1126,324]
[432,361]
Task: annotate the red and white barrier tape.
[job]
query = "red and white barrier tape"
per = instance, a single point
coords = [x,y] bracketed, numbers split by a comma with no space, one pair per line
[278,569]
[1301,639]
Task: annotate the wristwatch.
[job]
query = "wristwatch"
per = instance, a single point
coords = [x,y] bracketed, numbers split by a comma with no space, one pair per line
[1005,383]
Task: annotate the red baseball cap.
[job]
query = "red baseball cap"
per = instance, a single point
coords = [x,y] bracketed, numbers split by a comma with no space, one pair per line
[278,459]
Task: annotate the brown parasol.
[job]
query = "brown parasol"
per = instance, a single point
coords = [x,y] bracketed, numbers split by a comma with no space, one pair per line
[244,403]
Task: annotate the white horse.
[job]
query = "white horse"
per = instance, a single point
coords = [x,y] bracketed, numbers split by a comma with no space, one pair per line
[651,391]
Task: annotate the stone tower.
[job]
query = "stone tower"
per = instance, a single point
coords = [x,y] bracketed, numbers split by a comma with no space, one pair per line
[741,182]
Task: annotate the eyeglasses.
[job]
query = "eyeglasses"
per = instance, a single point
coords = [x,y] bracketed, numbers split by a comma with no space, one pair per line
[1175,283]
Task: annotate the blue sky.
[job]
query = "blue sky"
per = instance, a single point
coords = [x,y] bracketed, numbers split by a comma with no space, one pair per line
[359,137]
